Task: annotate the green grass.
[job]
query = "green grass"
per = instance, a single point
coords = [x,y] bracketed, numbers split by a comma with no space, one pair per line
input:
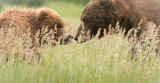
[66,9]
[96,61]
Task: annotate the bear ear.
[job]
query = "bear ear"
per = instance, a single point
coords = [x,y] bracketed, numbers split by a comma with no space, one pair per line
[106,3]
[43,14]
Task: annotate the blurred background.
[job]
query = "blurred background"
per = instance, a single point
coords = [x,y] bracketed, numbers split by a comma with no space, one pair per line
[41,2]
[70,10]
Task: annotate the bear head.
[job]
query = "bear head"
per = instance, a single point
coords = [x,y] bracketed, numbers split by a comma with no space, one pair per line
[99,14]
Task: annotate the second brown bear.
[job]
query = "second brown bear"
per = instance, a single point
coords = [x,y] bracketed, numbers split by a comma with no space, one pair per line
[100,13]
[35,19]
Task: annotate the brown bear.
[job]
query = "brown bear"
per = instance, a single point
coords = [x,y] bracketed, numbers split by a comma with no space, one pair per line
[100,13]
[33,19]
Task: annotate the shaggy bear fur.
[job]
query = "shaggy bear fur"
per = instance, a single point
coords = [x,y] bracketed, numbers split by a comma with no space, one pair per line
[100,13]
[35,19]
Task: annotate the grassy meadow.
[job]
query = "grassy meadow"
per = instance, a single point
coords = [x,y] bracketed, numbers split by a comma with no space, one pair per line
[107,60]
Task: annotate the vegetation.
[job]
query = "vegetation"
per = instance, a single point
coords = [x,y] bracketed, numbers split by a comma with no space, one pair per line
[97,61]
[112,59]
[41,2]
[75,1]
[92,62]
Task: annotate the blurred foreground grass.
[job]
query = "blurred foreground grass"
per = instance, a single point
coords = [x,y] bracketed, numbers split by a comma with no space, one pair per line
[96,61]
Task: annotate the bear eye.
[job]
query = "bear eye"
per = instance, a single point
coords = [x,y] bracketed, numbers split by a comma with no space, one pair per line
[59,26]
[85,20]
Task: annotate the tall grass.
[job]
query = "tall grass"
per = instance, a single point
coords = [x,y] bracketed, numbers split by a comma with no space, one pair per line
[107,60]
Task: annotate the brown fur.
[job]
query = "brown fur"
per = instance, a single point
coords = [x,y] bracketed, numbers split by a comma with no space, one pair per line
[101,13]
[35,19]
